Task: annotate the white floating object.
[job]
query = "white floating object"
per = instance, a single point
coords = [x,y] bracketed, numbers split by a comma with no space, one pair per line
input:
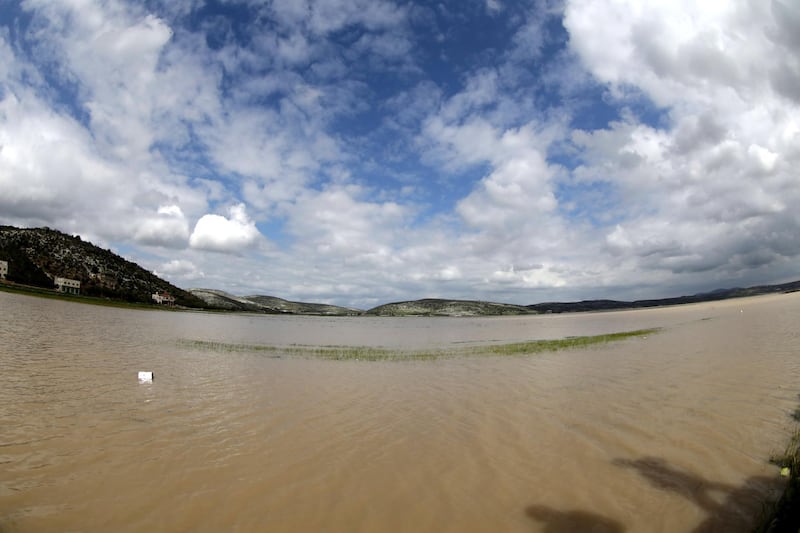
[145,377]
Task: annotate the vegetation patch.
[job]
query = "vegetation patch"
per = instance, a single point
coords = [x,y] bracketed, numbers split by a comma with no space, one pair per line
[378,353]
[357,353]
[784,515]
[531,347]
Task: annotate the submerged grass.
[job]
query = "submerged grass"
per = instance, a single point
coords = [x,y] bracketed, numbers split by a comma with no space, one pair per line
[538,346]
[357,353]
[371,353]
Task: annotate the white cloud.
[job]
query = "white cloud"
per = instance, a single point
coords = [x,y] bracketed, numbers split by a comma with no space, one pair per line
[714,50]
[112,53]
[519,189]
[331,15]
[529,278]
[511,215]
[88,166]
[481,90]
[168,227]
[450,273]
[182,269]
[277,155]
[336,224]
[493,6]
[695,195]
[217,233]
[684,201]
[45,161]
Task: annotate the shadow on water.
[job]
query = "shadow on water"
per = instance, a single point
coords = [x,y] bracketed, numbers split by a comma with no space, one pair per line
[729,507]
[556,521]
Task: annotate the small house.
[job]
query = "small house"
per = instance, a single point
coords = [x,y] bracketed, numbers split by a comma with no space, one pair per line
[163,298]
[70,286]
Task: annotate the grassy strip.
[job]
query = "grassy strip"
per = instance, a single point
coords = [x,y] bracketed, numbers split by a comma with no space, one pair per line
[358,353]
[369,353]
[531,347]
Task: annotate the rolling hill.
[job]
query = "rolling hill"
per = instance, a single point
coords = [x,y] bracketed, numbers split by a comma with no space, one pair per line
[269,304]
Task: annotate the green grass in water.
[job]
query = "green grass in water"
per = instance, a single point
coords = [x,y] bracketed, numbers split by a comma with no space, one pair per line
[784,515]
[369,353]
[531,347]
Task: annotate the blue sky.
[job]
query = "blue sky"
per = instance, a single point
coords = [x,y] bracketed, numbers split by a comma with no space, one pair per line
[359,152]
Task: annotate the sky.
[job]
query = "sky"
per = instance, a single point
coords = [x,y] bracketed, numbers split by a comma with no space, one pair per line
[359,152]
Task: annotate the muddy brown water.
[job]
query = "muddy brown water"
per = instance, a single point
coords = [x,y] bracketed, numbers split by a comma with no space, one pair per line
[670,432]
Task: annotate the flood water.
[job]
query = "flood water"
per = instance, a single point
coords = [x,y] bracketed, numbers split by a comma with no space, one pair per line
[670,432]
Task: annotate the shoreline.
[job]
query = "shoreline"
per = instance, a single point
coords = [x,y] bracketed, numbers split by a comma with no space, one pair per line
[52,294]
[41,292]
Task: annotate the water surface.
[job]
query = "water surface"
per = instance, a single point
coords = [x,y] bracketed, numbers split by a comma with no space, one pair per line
[671,432]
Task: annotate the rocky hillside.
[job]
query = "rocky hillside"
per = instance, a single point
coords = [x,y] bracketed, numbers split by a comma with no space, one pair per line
[437,307]
[269,304]
[37,255]
[225,301]
[280,305]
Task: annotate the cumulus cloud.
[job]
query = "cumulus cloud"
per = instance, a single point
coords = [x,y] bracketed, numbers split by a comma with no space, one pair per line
[46,159]
[180,269]
[518,189]
[88,165]
[217,233]
[720,173]
[528,278]
[167,227]
[112,53]
[450,273]
[493,5]
[337,224]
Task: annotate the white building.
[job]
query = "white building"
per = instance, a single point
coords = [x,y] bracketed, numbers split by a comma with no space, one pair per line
[163,298]
[71,286]
[3,269]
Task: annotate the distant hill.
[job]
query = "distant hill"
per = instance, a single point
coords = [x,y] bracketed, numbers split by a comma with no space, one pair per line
[37,255]
[455,308]
[285,306]
[223,300]
[610,305]
[439,307]
[269,304]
